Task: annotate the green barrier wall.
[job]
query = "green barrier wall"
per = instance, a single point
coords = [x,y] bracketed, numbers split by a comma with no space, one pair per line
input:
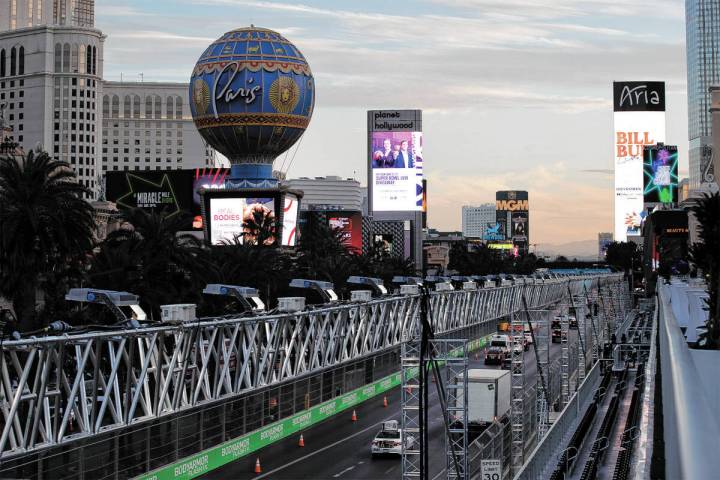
[215,457]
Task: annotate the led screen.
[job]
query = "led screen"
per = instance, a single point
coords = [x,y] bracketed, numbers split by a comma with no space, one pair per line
[170,191]
[290,215]
[350,227]
[396,163]
[660,173]
[639,119]
[239,219]
[519,221]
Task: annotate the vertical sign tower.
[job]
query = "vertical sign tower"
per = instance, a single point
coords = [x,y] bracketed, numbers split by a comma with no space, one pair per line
[639,119]
[395,173]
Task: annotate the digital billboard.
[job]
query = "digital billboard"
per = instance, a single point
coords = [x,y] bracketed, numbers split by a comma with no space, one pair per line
[660,174]
[169,191]
[639,120]
[385,240]
[395,163]
[519,221]
[494,231]
[350,226]
[512,209]
[236,219]
[290,218]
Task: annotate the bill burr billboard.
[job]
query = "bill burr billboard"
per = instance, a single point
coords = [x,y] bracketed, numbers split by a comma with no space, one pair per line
[395,162]
[639,119]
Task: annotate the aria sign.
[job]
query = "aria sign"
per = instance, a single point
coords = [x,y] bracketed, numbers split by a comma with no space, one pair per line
[227,94]
[639,96]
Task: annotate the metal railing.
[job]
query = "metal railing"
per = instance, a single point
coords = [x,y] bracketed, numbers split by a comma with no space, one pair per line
[690,424]
[545,456]
[54,390]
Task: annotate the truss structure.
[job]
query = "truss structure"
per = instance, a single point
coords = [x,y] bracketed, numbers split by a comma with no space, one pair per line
[57,389]
[517,383]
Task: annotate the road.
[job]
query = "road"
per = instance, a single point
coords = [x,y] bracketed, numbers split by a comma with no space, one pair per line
[340,448]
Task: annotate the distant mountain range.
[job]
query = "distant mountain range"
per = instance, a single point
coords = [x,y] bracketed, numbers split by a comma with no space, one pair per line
[582,250]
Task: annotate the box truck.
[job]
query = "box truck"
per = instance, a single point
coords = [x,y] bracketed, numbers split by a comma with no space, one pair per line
[488,398]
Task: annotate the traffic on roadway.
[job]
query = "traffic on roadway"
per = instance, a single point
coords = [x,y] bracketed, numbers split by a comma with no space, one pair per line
[342,448]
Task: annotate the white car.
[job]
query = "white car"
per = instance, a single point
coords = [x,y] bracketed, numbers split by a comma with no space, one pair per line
[519,345]
[389,440]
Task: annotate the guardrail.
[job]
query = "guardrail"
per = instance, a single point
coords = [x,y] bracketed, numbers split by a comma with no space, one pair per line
[691,427]
[543,459]
[55,390]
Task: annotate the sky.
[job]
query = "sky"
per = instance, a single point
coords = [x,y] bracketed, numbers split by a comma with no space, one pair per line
[516,94]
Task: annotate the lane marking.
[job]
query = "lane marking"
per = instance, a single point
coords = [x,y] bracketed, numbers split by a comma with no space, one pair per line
[305,457]
[343,471]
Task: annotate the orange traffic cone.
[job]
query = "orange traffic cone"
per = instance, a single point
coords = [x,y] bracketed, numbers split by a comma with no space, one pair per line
[354,416]
[301,443]
[385,402]
[258,468]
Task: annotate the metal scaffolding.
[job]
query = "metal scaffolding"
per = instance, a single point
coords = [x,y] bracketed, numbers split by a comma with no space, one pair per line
[102,381]
[410,417]
[564,361]
[517,406]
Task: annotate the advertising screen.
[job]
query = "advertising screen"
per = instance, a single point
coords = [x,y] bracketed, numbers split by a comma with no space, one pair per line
[660,174]
[501,246]
[396,165]
[350,226]
[238,218]
[500,229]
[290,217]
[385,241]
[639,119]
[172,191]
[519,221]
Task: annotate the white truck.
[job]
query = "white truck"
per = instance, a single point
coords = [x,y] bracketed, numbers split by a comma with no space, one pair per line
[488,398]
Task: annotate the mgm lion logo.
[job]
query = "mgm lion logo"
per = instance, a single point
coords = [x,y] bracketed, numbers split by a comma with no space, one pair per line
[284,94]
[201,96]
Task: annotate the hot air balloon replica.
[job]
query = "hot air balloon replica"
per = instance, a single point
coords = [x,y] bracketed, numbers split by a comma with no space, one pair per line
[251,96]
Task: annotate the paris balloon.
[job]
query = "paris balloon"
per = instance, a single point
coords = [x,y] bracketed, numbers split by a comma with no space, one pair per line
[252,95]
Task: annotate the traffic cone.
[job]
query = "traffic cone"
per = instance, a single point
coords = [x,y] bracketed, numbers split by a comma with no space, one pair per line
[354,416]
[301,443]
[385,402]
[258,468]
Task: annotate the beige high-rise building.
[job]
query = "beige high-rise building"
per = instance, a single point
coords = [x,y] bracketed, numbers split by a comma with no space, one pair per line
[16,14]
[54,97]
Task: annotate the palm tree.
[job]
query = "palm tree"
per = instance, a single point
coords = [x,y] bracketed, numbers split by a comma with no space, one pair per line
[706,256]
[260,227]
[146,256]
[44,225]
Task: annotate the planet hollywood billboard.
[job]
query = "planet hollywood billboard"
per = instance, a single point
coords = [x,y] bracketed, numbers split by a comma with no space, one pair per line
[395,160]
[639,120]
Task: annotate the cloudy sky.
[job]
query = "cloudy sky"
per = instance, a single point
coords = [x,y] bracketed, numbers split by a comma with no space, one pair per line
[516,94]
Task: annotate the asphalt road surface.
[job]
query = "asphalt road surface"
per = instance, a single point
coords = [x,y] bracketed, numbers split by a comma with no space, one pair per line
[340,448]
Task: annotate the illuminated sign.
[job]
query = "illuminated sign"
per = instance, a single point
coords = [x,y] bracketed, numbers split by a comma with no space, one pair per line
[227,94]
[639,120]
[395,160]
[512,205]
[501,246]
[660,174]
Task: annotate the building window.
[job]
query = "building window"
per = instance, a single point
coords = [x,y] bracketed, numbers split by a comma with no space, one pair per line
[178,107]
[2,64]
[66,57]
[21,61]
[13,61]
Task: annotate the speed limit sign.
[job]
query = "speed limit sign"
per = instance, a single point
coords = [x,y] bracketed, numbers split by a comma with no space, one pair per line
[490,470]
